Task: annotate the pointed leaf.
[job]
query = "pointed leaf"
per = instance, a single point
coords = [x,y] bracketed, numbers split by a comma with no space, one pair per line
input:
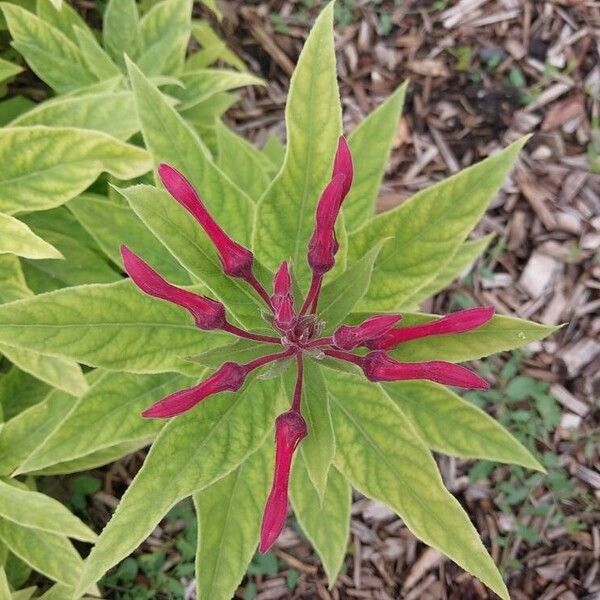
[497,335]
[170,139]
[286,213]
[213,49]
[49,553]
[62,17]
[339,296]
[17,238]
[116,400]
[8,70]
[203,446]
[240,351]
[382,456]
[58,163]
[38,511]
[112,113]
[124,227]
[94,56]
[428,229]
[461,260]
[47,50]
[231,509]
[19,391]
[453,426]
[58,372]
[112,326]
[14,286]
[370,144]
[121,30]
[326,524]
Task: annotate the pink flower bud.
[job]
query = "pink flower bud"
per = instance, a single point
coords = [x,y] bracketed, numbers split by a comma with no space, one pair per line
[207,313]
[456,322]
[290,429]
[228,377]
[323,243]
[342,163]
[348,337]
[237,261]
[378,366]
[282,300]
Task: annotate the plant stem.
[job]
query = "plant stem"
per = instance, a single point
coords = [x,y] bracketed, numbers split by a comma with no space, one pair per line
[313,294]
[260,290]
[263,360]
[347,356]
[257,337]
[299,380]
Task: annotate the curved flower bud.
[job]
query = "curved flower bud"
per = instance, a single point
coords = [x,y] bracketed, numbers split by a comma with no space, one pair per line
[348,337]
[323,244]
[237,261]
[342,163]
[378,366]
[290,429]
[282,300]
[228,377]
[456,322]
[208,314]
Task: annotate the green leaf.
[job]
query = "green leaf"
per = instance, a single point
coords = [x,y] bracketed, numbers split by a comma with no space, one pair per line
[123,227]
[62,17]
[19,391]
[121,30]
[95,58]
[285,215]
[382,456]
[213,49]
[49,553]
[326,524]
[274,150]
[8,70]
[4,587]
[187,242]
[461,260]
[17,238]
[339,296]
[318,447]
[240,351]
[112,326]
[47,50]
[453,426]
[38,511]
[167,26]
[497,335]
[231,509]
[213,6]
[170,139]
[427,230]
[205,113]
[13,107]
[202,446]
[112,113]
[22,434]
[58,372]
[370,144]
[116,400]
[56,164]
[201,85]
[240,160]
[14,286]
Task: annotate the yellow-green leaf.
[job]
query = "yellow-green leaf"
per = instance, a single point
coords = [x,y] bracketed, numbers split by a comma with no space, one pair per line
[285,216]
[17,238]
[453,426]
[382,456]
[427,230]
[56,164]
[121,30]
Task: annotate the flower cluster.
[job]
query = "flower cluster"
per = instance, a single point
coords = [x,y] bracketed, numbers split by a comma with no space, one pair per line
[296,330]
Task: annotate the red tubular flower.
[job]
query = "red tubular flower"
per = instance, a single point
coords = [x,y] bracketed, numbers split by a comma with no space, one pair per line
[348,337]
[228,377]
[342,163]
[237,261]
[282,300]
[378,366]
[207,313]
[456,322]
[290,429]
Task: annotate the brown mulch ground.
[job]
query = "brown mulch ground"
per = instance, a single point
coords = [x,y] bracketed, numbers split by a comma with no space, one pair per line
[483,72]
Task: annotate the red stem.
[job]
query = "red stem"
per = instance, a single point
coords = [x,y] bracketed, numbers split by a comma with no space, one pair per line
[263,360]
[298,388]
[260,290]
[257,337]
[347,356]
[313,308]
[313,294]
[326,341]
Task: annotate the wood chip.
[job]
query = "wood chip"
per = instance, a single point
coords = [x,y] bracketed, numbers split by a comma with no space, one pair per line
[564,397]
[428,560]
[574,357]
[538,274]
